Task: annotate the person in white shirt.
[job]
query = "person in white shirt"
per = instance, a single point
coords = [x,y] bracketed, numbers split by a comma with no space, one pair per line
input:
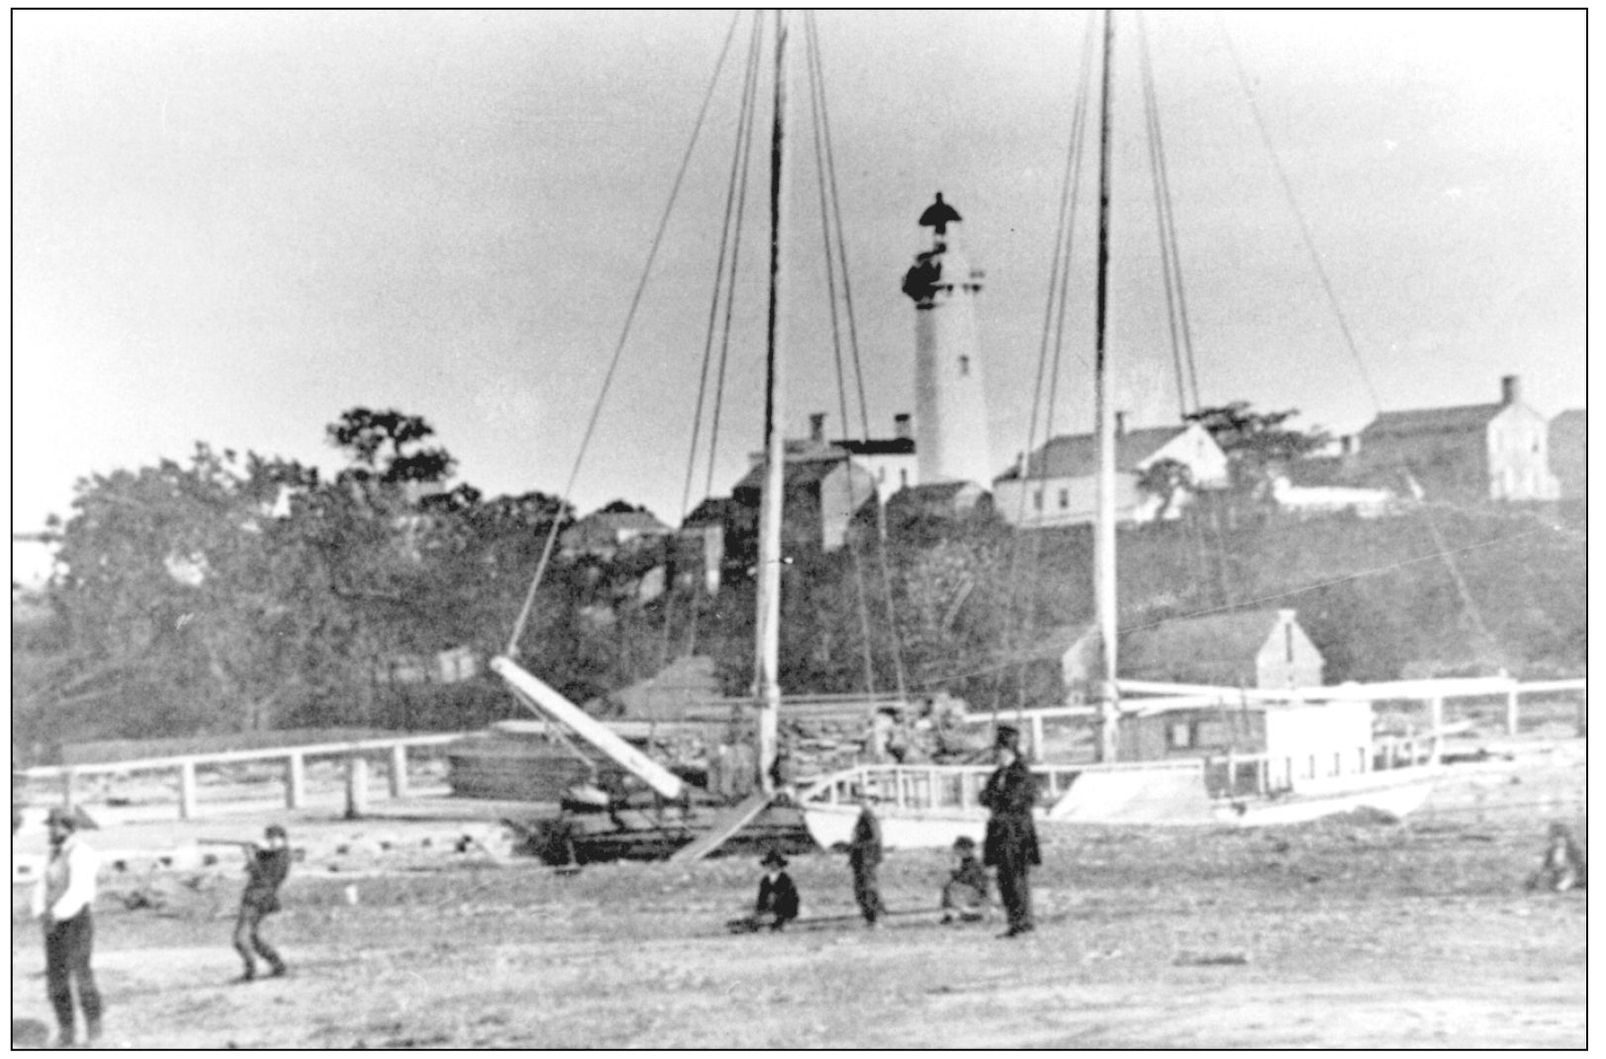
[63,900]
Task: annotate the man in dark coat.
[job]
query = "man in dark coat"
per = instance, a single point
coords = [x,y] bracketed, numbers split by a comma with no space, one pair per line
[864,857]
[266,869]
[1011,842]
[778,899]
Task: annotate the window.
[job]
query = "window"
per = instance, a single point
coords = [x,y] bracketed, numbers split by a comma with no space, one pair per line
[1181,735]
[903,477]
[964,364]
[1065,499]
[1037,500]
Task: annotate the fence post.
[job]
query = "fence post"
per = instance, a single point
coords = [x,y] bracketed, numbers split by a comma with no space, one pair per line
[1511,712]
[295,782]
[186,791]
[1037,738]
[356,787]
[398,771]
[1436,712]
[67,789]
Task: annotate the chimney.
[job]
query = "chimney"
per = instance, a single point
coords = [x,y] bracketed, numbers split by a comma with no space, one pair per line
[1120,424]
[817,426]
[1510,389]
[900,426]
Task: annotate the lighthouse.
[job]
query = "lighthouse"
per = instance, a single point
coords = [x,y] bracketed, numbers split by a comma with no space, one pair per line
[950,398]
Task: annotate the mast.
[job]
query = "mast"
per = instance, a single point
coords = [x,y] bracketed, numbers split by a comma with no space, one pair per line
[1104,534]
[766,677]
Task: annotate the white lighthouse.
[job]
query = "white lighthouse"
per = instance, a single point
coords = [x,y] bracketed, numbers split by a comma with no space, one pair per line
[950,398]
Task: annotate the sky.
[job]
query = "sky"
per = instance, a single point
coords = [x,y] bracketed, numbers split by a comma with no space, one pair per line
[230,227]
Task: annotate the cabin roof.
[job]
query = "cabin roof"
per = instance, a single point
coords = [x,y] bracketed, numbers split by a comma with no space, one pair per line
[1076,455]
[1208,640]
[1424,420]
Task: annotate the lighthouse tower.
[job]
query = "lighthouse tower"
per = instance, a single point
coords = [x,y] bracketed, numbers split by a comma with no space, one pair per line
[950,399]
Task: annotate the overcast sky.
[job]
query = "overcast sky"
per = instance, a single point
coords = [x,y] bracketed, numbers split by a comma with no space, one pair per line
[230,227]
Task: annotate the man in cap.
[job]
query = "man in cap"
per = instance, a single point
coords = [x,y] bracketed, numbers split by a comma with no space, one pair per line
[864,857]
[778,899]
[266,869]
[62,900]
[1011,842]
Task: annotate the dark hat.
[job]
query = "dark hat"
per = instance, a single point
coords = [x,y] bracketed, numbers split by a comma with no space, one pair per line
[1008,736]
[60,814]
[964,842]
[773,859]
[276,831]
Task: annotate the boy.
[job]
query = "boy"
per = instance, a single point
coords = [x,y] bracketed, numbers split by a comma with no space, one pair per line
[964,895]
[266,869]
[864,857]
[778,899]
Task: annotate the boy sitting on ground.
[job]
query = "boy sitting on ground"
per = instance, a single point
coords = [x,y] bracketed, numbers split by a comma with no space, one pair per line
[778,899]
[965,892]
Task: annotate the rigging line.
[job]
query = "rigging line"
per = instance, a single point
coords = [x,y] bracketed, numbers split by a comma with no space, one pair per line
[743,125]
[1313,586]
[1058,288]
[730,302]
[1293,205]
[1170,217]
[1467,599]
[1151,126]
[812,54]
[818,65]
[619,348]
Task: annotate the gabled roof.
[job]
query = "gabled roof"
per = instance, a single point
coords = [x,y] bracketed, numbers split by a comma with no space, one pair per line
[1075,455]
[1224,644]
[1572,419]
[878,446]
[620,521]
[798,473]
[1471,417]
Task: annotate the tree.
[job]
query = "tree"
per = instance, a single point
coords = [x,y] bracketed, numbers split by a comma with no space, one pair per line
[1166,479]
[383,447]
[1257,444]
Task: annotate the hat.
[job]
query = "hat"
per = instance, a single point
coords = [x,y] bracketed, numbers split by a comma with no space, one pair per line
[964,842]
[773,859]
[276,831]
[1008,736]
[60,814]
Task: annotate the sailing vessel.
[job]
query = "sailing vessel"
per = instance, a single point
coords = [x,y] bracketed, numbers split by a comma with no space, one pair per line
[1346,770]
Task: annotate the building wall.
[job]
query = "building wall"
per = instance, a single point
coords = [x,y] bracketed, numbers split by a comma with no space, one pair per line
[1448,464]
[1288,658]
[1074,501]
[1519,456]
[891,473]
[846,489]
[1202,732]
[950,394]
[1567,443]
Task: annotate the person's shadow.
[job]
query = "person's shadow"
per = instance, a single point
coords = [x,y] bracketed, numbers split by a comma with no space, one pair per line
[29,1033]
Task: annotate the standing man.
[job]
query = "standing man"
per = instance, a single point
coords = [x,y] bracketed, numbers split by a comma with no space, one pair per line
[1011,843]
[62,900]
[864,857]
[266,869]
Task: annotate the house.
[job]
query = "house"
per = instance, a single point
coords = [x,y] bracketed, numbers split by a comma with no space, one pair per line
[451,666]
[1569,438]
[1466,453]
[822,487]
[892,462]
[939,500]
[1248,649]
[1058,484]
[606,533]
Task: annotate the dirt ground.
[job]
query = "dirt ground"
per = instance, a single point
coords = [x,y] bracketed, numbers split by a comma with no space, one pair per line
[1348,933]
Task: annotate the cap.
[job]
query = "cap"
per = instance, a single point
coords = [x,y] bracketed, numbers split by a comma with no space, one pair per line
[1008,736]
[964,842]
[773,859]
[276,831]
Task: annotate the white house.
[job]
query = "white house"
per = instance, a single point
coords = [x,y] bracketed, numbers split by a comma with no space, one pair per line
[1059,483]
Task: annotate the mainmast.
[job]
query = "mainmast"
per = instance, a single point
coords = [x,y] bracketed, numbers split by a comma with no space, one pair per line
[766,678]
[1104,430]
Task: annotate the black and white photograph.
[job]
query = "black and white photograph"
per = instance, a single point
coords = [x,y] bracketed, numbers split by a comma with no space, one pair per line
[846,529]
